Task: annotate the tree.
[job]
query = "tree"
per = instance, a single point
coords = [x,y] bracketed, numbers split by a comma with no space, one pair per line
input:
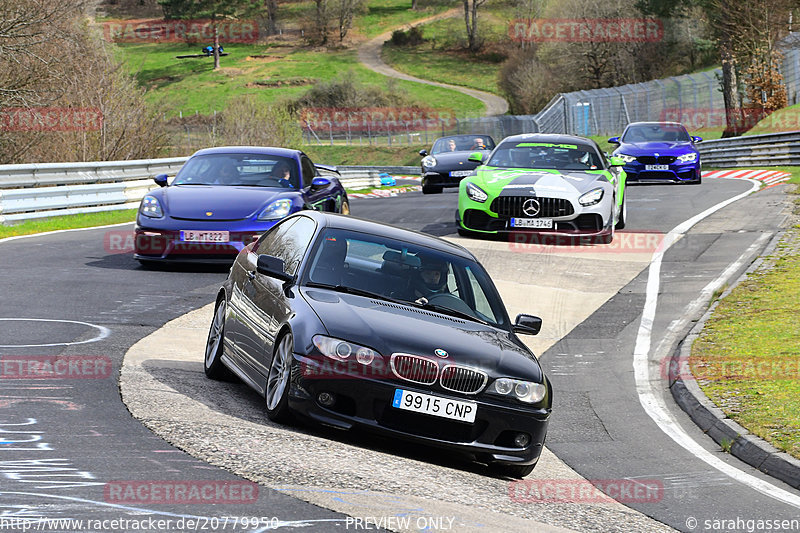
[214,10]
[345,10]
[471,21]
[747,34]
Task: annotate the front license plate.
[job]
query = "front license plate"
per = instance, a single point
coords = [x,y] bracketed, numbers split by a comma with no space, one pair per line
[435,405]
[546,223]
[190,235]
[656,167]
[460,173]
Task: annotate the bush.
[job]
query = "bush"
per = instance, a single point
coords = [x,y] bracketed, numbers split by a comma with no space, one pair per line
[346,92]
[412,37]
[248,122]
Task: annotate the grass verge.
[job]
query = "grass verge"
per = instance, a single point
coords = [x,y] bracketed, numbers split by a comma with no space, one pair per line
[86,220]
[747,358]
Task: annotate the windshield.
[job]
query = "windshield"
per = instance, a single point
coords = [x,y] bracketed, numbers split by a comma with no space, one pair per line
[406,273]
[462,143]
[527,154]
[254,170]
[655,133]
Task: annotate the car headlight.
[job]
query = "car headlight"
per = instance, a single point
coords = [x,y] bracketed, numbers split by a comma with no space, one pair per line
[340,350]
[476,193]
[151,207]
[592,197]
[275,210]
[524,391]
[627,158]
[688,158]
[428,161]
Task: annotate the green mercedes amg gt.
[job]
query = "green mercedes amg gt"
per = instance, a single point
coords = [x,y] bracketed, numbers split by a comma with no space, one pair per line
[544,184]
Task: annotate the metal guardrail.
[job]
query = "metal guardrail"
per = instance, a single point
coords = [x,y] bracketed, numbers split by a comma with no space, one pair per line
[769,149]
[49,189]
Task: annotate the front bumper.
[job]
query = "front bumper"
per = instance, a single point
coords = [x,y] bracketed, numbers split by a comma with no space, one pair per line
[152,243]
[676,173]
[590,221]
[366,403]
[443,178]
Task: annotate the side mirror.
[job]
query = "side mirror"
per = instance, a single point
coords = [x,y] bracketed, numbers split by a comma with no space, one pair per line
[527,324]
[613,140]
[475,157]
[161,180]
[697,139]
[616,161]
[320,183]
[423,153]
[272,266]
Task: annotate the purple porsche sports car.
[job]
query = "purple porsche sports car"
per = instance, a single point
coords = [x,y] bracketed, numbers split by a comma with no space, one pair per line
[224,198]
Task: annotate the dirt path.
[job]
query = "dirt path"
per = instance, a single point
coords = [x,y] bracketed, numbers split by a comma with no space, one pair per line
[369,53]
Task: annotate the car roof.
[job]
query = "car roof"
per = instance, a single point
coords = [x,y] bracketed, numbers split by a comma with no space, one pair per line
[556,138]
[255,150]
[351,223]
[654,124]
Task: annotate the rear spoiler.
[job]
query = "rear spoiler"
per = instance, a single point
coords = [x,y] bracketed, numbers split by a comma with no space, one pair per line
[328,168]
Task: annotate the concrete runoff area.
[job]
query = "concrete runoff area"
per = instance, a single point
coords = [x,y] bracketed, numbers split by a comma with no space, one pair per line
[163,384]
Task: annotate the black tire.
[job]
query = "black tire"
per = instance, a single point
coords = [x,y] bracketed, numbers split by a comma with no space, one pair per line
[623,214]
[276,393]
[430,189]
[513,471]
[212,363]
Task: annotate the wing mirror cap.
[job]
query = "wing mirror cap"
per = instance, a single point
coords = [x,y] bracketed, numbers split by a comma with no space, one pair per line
[528,324]
[273,267]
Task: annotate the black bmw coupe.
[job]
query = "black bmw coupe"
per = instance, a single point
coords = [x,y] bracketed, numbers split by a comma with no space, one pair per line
[354,323]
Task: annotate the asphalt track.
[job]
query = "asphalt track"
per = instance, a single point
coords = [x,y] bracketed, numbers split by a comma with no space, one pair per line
[63,440]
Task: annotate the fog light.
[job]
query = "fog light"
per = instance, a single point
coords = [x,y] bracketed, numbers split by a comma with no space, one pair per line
[521,440]
[326,398]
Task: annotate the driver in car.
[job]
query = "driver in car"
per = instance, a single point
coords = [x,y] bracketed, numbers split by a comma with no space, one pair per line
[430,279]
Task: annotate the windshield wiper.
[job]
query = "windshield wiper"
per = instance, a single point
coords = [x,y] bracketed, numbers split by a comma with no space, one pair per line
[353,290]
[423,303]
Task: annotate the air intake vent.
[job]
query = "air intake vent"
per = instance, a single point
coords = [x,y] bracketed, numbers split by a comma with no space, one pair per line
[511,206]
[414,368]
[415,310]
[463,379]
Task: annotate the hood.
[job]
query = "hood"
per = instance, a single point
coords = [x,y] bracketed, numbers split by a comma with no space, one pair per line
[391,328]
[521,182]
[662,147]
[225,203]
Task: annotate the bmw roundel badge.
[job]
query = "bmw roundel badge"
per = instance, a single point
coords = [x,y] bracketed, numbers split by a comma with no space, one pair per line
[440,353]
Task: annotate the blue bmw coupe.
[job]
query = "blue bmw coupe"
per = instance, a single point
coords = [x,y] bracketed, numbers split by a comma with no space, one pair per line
[658,152]
[224,198]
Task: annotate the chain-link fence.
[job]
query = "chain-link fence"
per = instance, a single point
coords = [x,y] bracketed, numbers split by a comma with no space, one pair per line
[693,99]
